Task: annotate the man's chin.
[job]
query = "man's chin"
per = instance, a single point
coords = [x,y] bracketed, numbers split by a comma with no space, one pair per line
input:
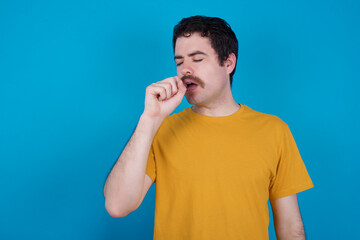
[191,100]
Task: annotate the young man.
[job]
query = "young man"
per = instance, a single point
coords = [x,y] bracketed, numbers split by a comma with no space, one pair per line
[217,163]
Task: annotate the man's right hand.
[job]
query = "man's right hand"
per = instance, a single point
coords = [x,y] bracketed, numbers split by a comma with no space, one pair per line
[163,97]
[126,184]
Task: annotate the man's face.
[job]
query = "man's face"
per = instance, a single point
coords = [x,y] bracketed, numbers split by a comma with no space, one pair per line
[197,63]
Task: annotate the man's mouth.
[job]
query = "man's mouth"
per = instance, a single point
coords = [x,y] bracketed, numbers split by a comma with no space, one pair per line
[190,84]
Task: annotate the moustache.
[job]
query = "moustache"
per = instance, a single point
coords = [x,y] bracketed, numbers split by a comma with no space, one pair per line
[195,79]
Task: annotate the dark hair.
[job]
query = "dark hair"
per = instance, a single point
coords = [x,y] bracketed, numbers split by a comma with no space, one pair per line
[223,39]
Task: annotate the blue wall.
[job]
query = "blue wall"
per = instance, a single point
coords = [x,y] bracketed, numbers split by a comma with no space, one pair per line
[72,84]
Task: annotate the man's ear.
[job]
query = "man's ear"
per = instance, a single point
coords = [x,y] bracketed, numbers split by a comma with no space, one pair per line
[230,63]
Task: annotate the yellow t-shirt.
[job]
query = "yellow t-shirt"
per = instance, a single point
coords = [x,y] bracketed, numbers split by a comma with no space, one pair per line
[214,175]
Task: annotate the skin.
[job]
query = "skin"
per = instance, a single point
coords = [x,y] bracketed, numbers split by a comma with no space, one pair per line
[127,184]
[287,219]
[194,56]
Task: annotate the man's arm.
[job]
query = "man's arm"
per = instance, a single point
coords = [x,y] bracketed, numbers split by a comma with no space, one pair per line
[125,181]
[287,219]
[124,186]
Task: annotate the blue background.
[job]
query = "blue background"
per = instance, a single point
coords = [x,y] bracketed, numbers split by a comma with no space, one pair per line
[72,84]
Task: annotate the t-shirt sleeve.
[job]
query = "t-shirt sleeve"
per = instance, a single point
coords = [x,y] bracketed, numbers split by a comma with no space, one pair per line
[151,167]
[291,175]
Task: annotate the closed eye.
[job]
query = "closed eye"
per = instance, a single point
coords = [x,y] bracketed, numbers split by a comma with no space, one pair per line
[197,60]
[178,64]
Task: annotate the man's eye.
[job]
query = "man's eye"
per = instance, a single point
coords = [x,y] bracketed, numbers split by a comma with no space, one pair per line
[178,64]
[197,60]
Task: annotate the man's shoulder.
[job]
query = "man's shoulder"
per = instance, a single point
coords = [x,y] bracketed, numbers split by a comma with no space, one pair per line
[247,114]
[256,115]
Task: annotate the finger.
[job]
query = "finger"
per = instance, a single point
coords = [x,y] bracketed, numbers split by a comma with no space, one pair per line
[182,87]
[158,91]
[180,93]
[167,86]
[177,78]
[173,82]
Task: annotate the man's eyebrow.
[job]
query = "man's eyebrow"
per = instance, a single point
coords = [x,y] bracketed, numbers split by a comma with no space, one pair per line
[196,53]
[191,54]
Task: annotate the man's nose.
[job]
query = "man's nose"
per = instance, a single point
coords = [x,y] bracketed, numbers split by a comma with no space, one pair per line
[186,69]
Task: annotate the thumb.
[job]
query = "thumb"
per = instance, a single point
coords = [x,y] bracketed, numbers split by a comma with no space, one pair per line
[181,87]
[181,91]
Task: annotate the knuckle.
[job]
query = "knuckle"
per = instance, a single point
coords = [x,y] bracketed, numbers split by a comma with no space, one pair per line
[168,86]
[150,86]
[163,91]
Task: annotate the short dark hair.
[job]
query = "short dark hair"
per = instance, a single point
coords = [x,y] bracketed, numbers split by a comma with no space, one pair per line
[223,39]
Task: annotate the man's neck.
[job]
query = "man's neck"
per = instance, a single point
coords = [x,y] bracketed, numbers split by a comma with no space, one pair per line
[219,109]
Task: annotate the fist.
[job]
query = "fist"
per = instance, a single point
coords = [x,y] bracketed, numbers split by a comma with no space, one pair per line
[163,97]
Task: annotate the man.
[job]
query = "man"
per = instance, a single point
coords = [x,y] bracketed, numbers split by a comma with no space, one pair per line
[217,163]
